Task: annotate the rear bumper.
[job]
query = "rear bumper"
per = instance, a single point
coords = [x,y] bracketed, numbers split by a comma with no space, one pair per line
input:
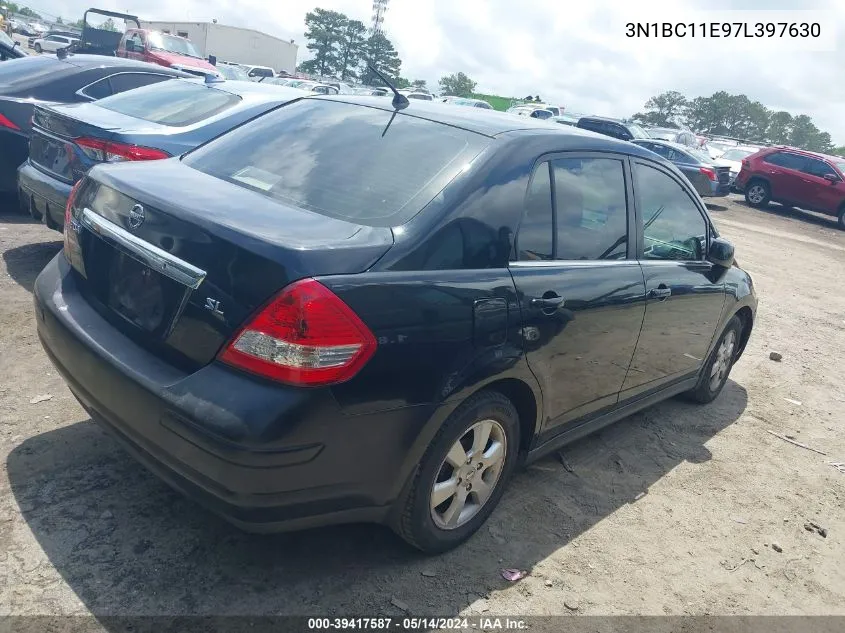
[48,195]
[718,189]
[264,456]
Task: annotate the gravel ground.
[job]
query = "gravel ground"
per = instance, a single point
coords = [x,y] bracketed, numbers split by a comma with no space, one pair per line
[680,509]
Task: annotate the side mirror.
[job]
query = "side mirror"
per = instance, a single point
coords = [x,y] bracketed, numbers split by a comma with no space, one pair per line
[16,44]
[721,253]
[831,178]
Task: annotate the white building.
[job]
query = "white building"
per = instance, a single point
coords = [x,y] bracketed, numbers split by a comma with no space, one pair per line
[233,43]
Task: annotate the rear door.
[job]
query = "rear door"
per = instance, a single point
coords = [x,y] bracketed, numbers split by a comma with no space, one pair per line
[684,295]
[581,290]
[783,172]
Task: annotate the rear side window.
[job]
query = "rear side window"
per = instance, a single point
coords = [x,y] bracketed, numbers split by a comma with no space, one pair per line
[592,221]
[98,90]
[362,164]
[785,159]
[536,231]
[177,103]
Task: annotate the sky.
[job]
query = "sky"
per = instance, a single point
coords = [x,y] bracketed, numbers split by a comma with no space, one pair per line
[571,52]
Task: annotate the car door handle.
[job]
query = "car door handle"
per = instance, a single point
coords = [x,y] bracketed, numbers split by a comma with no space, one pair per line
[551,302]
[662,292]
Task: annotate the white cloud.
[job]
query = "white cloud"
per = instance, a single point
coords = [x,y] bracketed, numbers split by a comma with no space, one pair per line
[573,53]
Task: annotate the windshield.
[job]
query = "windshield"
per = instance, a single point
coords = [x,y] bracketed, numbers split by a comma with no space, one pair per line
[232,72]
[703,157]
[340,160]
[737,154]
[637,131]
[172,44]
[177,102]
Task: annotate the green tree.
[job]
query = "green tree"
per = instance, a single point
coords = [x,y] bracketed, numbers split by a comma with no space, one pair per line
[325,33]
[664,110]
[780,128]
[457,85]
[108,25]
[838,151]
[419,84]
[59,20]
[381,54]
[352,48]
[401,82]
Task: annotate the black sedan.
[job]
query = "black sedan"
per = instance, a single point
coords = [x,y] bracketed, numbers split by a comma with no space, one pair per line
[341,311]
[47,79]
[708,178]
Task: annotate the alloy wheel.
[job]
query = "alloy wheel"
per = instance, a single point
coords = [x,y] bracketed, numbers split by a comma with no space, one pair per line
[722,363]
[468,475]
[756,194]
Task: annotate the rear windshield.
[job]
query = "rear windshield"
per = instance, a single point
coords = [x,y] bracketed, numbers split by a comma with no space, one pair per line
[342,160]
[177,103]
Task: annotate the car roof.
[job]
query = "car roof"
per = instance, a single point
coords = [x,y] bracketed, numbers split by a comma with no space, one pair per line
[806,152]
[660,141]
[244,88]
[102,61]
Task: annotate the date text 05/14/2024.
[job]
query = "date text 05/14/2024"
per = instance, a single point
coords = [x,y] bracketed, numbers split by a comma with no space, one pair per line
[777,30]
[460,623]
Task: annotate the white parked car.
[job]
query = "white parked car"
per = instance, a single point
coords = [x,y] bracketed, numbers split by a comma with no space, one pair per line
[52,43]
[471,103]
[257,72]
[525,109]
[732,159]
[416,94]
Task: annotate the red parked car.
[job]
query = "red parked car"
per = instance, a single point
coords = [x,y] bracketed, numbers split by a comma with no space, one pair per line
[165,50]
[795,177]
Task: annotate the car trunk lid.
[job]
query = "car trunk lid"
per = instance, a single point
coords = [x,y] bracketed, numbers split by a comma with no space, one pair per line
[180,265]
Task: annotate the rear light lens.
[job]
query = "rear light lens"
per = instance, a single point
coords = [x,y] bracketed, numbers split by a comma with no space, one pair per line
[709,172]
[71,244]
[111,152]
[6,123]
[305,336]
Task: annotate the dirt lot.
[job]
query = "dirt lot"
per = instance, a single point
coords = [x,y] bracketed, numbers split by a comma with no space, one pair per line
[676,510]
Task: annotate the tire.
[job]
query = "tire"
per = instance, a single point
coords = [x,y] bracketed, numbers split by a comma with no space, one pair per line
[713,379]
[428,528]
[842,217]
[38,48]
[757,194]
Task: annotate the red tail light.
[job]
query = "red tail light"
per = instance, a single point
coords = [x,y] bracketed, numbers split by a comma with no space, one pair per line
[68,248]
[4,122]
[109,151]
[709,172]
[305,336]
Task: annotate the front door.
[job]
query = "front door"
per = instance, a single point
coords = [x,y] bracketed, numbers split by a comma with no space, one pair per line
[581,291]
[685,293]
[821,194]
[783,171]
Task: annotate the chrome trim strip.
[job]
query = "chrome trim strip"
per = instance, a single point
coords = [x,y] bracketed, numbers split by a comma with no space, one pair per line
[572,263]
[159,260]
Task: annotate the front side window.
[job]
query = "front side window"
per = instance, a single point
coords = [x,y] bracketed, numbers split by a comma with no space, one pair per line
[536,232]
[816,167]
[673,227]
[590,202]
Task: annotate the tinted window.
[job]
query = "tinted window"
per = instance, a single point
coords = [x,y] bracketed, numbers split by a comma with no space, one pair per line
[260,72]
[541,114]
[659,149]
[98,89]
[817,167]
[342,160]
[176,103]
[536,229]
[589,196]
[129,81]
[595,126]
[785,159]
[673,227]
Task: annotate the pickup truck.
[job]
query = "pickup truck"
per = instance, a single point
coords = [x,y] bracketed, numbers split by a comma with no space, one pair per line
[142,44]
[164,49]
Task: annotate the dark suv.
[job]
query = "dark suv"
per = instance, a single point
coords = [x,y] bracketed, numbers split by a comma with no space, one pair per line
[612,127]
[794,177]
[344,312]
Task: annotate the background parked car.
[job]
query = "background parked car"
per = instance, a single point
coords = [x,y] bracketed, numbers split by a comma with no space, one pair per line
[707,178]
[681,137]
[33,79]
[471,103]
[232,72]
[612,127]
[416,94]
[732,159]
[795,177]
[9,48]
[149,123]
[258,72]
[52,43]
[716,147]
